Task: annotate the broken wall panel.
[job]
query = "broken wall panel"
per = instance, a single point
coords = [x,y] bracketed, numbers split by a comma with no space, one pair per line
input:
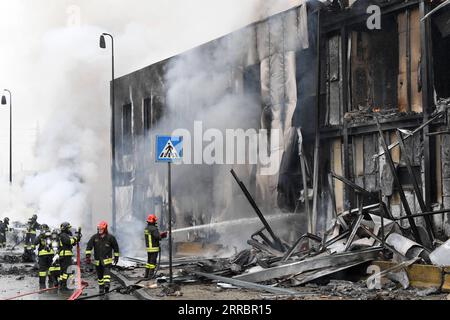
[416,90]
[370,166]
[445,156]
[334,71]
[409,61]
[438,171]
[336,164]
[395,152]
[278,40]
[358,147]
[402,84]
[360,70]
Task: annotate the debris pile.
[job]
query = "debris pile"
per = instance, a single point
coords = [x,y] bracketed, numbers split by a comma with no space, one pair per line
[358,237]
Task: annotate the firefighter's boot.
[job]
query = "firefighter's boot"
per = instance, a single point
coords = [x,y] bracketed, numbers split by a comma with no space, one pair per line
[101,289]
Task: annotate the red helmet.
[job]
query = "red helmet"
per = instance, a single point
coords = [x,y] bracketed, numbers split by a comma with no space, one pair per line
[152,218]
[102,227]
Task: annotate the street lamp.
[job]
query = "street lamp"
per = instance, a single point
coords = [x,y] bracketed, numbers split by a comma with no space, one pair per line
[113,123]
[10,131]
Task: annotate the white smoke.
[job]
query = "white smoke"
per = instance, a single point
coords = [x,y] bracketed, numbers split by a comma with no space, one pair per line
[71,152]
[206,84]
[60,77]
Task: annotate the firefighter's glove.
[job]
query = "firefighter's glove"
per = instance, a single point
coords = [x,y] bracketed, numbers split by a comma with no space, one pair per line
[116,260]
[163,235]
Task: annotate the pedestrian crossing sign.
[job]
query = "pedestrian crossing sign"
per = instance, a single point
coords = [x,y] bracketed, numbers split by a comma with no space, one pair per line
[169,149]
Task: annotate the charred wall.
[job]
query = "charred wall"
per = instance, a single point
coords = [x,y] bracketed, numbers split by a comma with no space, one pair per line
[390,74]
[385,74]
[273,67]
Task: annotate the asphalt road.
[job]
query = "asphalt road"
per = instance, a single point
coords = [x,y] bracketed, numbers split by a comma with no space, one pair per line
[22,278]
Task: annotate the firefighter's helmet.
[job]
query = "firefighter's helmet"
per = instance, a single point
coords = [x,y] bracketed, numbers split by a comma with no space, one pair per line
[6,220]
[45,227]
[102,227]
[34,217]
[152,218]
[65,226]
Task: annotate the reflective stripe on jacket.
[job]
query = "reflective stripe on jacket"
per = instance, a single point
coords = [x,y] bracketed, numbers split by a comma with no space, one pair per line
[32,227]
[43,248]
[66,243]
[103,249]
[152,238]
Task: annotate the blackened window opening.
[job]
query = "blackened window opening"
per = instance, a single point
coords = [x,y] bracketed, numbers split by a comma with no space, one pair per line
[127,129]
[374,66]
[147,114]
[441,52]
[158,103]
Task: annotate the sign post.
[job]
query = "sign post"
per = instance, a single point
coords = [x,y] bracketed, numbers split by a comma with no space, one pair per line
[169,191]
[169,149]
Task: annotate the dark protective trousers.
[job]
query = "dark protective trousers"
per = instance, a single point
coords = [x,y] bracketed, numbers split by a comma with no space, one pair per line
[29,241]
[2,239]
[65,263]
[152,257]
[54,275]
[103,276]
[45,262]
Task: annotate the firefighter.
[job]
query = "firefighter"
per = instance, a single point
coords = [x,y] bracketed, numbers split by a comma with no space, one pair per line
[45,255]
[66,242]
[152,238]
[103,244]
[30,236]
[3,229]
[55,268]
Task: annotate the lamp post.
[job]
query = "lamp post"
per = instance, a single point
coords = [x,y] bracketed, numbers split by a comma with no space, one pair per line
[10,131]
[113,123]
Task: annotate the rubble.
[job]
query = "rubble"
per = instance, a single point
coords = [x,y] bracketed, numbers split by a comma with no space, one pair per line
[358,237]
[8,258]
[441,255]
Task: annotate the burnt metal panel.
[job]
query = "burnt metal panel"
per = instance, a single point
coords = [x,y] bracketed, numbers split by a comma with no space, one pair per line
[334,104]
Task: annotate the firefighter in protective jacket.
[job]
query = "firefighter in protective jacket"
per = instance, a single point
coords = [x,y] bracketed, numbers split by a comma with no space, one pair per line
[152,238]
[66,242]
[45,255]
[4,227]
[30,236]
[103,243]
[54,272]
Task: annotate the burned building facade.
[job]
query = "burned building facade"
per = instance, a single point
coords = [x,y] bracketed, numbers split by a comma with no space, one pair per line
[397,76]
[331,85]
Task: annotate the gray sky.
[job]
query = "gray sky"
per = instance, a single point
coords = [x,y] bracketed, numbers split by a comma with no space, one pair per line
[44,42]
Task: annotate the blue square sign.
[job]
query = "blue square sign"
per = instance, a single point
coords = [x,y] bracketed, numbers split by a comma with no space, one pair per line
[169,149]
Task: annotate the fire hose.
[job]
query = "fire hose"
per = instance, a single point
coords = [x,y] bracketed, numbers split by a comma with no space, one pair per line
[80,284]
[30,293]
[121,289]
